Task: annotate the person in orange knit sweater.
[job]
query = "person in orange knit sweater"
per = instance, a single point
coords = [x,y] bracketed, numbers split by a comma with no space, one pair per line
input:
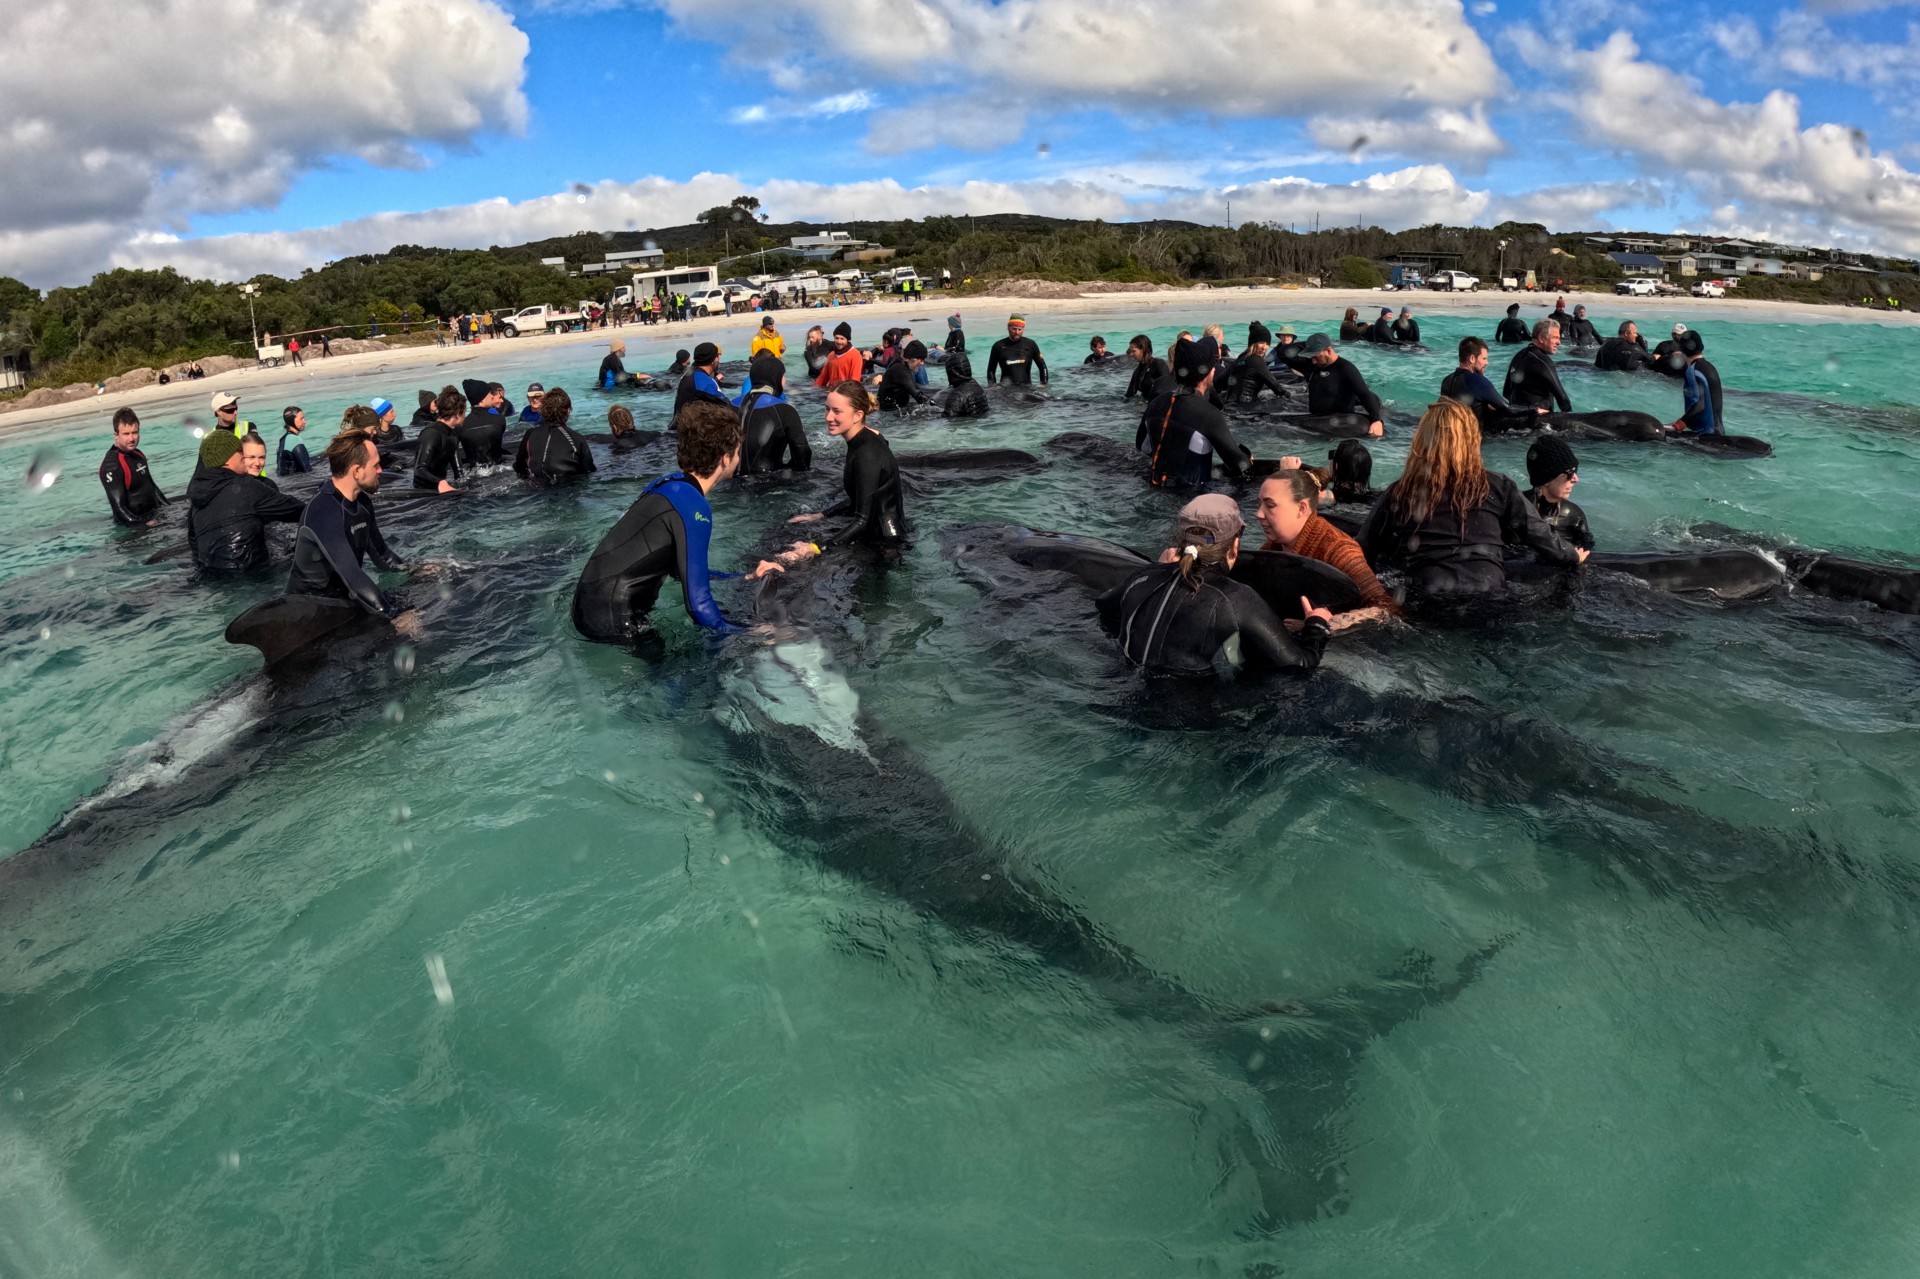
[1286,513]
[845,364]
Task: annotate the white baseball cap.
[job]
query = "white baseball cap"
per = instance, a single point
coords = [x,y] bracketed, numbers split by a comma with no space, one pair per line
[224,400]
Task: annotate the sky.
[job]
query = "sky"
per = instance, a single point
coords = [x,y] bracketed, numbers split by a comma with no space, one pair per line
[231,137]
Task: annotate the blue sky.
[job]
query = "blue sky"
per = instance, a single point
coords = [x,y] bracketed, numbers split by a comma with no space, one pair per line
[406,114]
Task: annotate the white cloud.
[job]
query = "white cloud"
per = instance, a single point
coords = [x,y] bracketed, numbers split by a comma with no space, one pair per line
[1439,133]
[1222,57]
[837,104]
[1805,47]
[147,112]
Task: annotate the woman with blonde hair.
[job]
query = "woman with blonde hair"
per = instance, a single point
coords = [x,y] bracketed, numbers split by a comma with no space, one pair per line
[1447,520]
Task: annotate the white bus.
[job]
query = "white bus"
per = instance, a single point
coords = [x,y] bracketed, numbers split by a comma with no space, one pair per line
[680,279]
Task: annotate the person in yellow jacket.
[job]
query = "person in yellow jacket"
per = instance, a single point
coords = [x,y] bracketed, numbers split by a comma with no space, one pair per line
[768,339]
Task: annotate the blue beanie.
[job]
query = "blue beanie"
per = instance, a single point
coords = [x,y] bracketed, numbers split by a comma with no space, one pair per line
[382,407]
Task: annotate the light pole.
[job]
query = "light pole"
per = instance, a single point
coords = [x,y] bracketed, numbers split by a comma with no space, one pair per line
[1503,259]
[252,290]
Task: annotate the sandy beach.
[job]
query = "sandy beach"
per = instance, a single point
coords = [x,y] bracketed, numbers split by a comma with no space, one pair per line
[984,313]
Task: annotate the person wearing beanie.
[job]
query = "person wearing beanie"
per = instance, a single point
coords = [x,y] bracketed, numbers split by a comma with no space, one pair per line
[1251,374]
[228,509]
[423,414]
[767,340]
[1382,329]
[1470,385]
[772,437]
[613,366]
[1700,389]
[295,460]
[1553,470]
[482,434]
[965,396]
[1186,617]
[1334,385]
[436,449]
[386,430]
[844,363]
[1015,356]
[1513,329]
[701,381]
[1406,329]
[132,495]
[681,360]
[1183,429]
[898,390]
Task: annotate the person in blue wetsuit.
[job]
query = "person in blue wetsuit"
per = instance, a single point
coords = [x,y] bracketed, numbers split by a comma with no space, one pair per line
[1700,414]
[701,384]
[338,531]
[1470,385]
[664,534]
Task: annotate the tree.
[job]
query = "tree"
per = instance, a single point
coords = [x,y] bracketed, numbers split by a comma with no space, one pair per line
[1353,272]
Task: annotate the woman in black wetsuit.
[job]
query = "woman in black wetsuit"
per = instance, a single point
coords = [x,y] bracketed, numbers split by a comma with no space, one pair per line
[1151,376]
[875,514]
[1448,520]
[1351,330]
[1187,616]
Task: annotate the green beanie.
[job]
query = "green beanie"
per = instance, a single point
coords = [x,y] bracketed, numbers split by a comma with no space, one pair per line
[218,446]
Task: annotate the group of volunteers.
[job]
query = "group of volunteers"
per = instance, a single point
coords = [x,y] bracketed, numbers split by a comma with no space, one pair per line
[1447,525]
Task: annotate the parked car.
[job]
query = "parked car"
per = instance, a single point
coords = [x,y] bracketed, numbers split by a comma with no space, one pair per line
[1454,282]
[709,302]
[1709,289]
[1639,287]
[540,319]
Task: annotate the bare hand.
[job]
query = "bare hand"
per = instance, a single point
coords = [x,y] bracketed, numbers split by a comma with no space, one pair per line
[408,624]
[807,518]
[1291,463]
[765,567]
[1170,556]
[1307,608]
[1375,429]
[1581,555]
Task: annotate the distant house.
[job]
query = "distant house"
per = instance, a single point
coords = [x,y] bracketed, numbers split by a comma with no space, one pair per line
[1680,243]
[819,248]
[1759,266]
[557,264]
[1638,246]
[16,358]
[635,260]
[1639,263]
[1804,271]
[1714,264]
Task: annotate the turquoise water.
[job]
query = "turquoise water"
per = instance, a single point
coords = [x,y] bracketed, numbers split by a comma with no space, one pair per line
[674,1044]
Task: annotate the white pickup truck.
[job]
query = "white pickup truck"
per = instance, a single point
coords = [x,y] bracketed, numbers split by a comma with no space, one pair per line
[1454,282]
[541,319]
[1643,286]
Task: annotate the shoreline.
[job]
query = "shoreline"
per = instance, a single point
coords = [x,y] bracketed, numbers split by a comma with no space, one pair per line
[1203,305]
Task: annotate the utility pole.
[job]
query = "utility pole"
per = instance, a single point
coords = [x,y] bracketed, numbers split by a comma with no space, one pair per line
[1229,213]
[249,290]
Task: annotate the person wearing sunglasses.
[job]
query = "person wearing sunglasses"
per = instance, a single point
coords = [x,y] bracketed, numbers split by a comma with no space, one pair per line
[1553,470]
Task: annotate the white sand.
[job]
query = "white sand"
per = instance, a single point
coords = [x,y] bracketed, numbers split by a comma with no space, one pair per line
[985,314]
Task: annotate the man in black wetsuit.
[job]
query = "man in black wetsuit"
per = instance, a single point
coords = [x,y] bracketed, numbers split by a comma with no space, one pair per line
[771,435]
[1334,385]
[1182,429]
[1406,329]
[664,534]
[1187,617]
[1532,380]
[1097,353]
[230,506]
[613,368]
[1251,374]
[1513,329]
[701,382]
[1016,356]
[1553,470]
[1667,357]
[338,532]
[1579,331]
[482,434]
[898,390]
[435,454]
[1559,314]
[1470,385]
[1382,329]
[877,516]
[1626,353]
[132,495]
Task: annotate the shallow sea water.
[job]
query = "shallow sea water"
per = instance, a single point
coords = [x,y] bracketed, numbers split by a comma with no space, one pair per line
[672,1043]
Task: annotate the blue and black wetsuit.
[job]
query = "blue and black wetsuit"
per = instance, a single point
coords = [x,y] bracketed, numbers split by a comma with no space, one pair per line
[697,385]
[1476,391]
[335,536]
[772,437]
[292,461]
[664,534]
[1701,414]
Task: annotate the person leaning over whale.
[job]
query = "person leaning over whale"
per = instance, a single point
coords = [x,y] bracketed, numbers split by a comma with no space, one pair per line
[230,505]
[872,481]
[1334,385]
[1469,385]
[338,532]
[1182,430]
[665,533]
[1532,380]
[965,397]
[1188,616]
[1553,470]
[1288,517]
[898,390]
[771,435]
[1447,519]
[1151,377]
[1700,387]
[1626,353]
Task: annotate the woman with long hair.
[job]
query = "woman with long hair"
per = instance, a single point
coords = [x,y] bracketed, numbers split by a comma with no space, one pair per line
[1448,520]
[1351,330]
[553,450]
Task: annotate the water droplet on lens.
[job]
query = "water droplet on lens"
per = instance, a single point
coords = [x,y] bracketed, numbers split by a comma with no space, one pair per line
[402,814]
[608,774]
[698,798]
[406,845]
[67,572]
[1833,364]
[403,660]
[725,860]
[230,1160]
[394,714]
[46,632]
[437,975]
[43,468]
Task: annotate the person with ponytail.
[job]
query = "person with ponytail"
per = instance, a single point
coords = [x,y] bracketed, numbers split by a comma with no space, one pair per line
[1447,520]
[1187,617]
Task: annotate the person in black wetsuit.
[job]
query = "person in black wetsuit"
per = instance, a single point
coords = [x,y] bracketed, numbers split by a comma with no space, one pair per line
[771,435]
[1559,314]
[1151,376]
[1470,385]
[877,516]
[1447,520]
[665,533]
[620,426]
[230,505]
[965,397]
[1382,329]
[386,430]
[1513,329]
[553,451]
[1334,385]
[1553,470]
[1097,353]
[1251,374]
[682,359]
[482,434]
[701,382]
[338,532]
[1188,618]
[1579,331]
[423,415]
[898,390]
[1016,356]
[435,453]
[132,495]
[1667,358]
[1626,353]
[1182,430]
[1533,382]
[1406,329]
[295,460]
[613,367]
[1351,329]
